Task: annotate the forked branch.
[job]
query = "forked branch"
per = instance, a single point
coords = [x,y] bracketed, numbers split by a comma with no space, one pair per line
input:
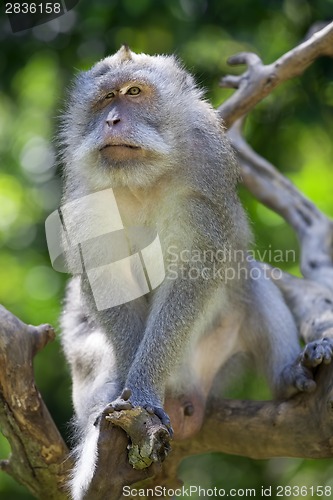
[310,299]
[259,80]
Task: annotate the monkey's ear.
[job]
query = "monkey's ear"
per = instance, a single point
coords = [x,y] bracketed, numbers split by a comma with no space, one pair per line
[124,53]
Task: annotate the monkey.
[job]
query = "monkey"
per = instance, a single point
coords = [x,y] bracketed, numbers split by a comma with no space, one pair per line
[137,127]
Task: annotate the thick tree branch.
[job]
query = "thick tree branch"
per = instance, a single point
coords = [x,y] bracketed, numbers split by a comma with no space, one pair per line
[300,427]
[311,304]
[259,80]
[39,458]
[310,299]
[313,228]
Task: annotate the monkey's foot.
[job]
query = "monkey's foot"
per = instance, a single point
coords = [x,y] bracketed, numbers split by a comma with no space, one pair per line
[149,436]
[295,378]
[300,375]
[317,352]
[123,403]
[162,415]
[300,379]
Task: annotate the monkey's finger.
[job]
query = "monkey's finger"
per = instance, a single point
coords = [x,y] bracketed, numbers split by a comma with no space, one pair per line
[328,347]
[305,384]
[120,404]
[97,421]
[160,413]
[327,357]
[126,394]
[149,410]
[317,352]
[308,386]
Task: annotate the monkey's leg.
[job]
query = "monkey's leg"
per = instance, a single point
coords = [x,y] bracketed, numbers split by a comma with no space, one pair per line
[270,333]
[100,348]
[189,387]
[91,360]
[98,368]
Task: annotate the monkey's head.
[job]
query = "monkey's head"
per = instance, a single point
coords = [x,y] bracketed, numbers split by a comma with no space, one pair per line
[131,119]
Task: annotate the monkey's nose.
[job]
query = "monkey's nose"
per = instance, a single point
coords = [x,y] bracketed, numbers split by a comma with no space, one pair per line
[112,121]
[113,118]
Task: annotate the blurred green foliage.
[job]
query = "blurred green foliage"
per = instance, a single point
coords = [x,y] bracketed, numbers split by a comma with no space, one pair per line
[292,128]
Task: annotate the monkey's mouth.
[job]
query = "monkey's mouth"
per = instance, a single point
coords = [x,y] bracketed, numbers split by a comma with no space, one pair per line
[120,145]
[119,152]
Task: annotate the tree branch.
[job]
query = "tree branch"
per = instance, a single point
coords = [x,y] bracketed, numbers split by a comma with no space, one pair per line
[302,426]
[313,228]
[299,427]
[310,299]
[39,458]
[259,80]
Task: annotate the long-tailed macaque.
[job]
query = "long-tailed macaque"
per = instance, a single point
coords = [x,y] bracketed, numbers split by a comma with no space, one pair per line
[138,129]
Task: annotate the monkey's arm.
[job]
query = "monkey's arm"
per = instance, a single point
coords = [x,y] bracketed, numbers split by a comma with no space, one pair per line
[175,318]
[98,348]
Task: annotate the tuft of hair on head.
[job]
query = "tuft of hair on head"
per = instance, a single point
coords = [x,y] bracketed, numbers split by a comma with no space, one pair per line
[124,53]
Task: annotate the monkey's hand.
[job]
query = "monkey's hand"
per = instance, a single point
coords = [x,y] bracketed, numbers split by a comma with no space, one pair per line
[154,443]
[317,352]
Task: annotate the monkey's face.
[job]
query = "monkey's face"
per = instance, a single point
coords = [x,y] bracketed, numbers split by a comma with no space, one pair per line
[128,131]
[131,118]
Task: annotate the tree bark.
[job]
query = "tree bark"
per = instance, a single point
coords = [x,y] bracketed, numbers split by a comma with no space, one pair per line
[39,458]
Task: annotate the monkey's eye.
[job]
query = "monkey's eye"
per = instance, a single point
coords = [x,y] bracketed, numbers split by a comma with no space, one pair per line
[133,91]
[110,95]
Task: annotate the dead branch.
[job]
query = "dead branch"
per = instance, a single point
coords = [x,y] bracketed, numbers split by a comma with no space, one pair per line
[115,458]
[310,302]
[313,228]
[39,458]
[259,80]
[300,427]
[310,299]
